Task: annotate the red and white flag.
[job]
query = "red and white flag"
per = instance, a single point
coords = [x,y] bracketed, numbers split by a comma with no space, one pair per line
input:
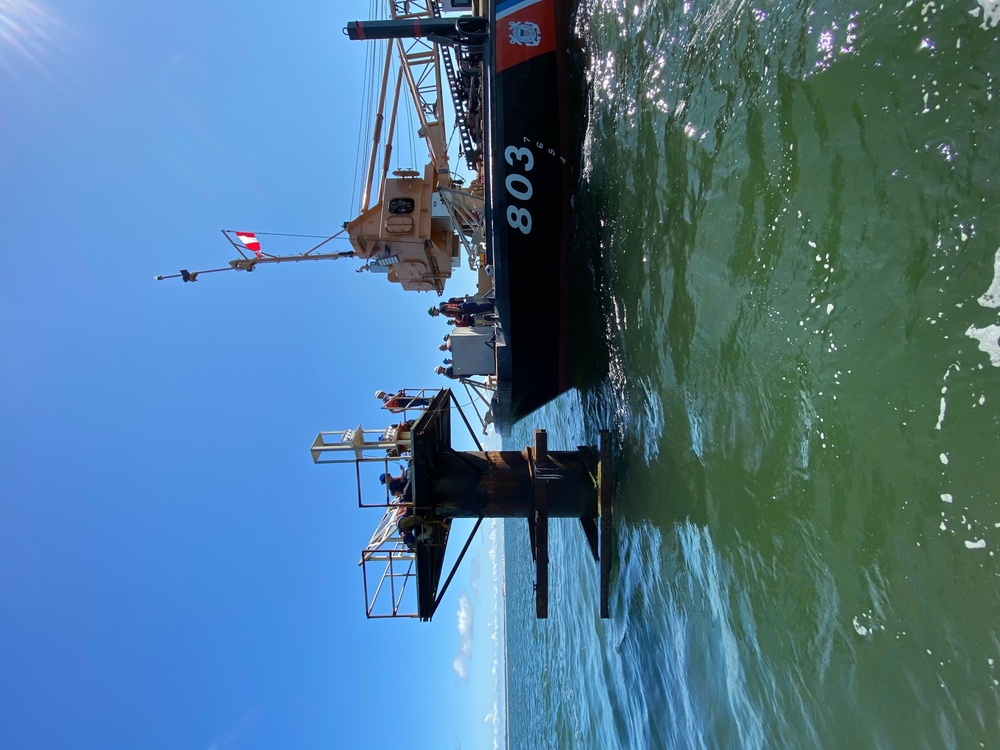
[250,240]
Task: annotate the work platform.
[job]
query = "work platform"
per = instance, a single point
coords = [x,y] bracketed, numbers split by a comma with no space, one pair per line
[441,484]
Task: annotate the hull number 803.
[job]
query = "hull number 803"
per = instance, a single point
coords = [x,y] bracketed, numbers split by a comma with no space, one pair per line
[519,187]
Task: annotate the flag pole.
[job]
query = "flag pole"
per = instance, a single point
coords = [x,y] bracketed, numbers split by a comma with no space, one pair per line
[249,264]
[246,263]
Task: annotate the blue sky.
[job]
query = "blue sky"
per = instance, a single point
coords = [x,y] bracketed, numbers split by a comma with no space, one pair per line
[174,570]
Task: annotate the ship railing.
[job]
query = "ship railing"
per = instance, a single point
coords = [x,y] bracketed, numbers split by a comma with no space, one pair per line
[480,394]
[408,400]
[418,392]
[468,215]
[415,395]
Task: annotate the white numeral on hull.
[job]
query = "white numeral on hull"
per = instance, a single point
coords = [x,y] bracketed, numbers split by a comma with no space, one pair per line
[519,187]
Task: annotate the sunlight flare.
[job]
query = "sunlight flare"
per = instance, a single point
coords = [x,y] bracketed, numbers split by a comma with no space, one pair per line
[28,31]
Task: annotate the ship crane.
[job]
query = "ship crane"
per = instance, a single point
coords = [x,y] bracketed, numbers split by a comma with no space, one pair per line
[417,227]
[419,222]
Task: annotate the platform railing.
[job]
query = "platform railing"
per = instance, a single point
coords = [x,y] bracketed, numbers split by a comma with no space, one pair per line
[395,571]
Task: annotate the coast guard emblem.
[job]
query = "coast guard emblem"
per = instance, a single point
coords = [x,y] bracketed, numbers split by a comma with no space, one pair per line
[525,33]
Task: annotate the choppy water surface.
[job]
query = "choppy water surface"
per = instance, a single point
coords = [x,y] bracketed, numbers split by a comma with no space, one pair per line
[796,248]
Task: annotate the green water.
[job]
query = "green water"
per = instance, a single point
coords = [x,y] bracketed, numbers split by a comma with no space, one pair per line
[793,221]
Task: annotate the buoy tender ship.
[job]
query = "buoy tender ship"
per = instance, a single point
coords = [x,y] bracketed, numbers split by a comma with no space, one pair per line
[507,69]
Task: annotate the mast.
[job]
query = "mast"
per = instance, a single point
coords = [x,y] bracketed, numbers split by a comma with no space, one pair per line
[415,231]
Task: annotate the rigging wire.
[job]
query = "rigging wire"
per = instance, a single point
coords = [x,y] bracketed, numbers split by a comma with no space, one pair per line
[357,152]
[375,51]
[411,131]
[394,143]
[307,236]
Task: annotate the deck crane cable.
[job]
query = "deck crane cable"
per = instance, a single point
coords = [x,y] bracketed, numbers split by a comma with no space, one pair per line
[357,154]
[412,132]
[394,143]
[362,120]
[368,99]
[371,104]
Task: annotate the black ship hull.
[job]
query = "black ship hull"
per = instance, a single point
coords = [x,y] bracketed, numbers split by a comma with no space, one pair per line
[529,163]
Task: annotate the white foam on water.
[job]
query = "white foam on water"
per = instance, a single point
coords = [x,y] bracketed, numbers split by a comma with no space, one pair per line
[498,714]
[944,391]
[944,458]
[991,297]
[808,415]
[978,544]
[697,436]
[941,411]
[989,341]
[652,422]
[946,497]
[991,13]
[708,566]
